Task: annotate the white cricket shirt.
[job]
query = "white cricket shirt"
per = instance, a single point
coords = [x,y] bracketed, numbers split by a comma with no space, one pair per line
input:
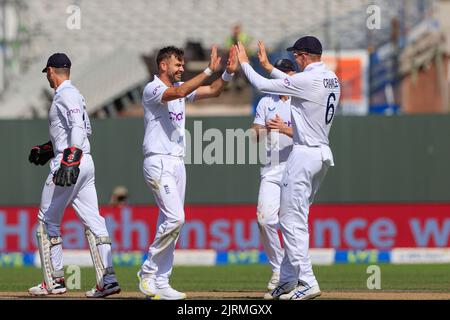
[315,95]
[164,122]
[268,107]
[69,123]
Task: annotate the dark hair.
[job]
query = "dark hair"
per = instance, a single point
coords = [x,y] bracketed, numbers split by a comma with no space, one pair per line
[62,71]
[167,52]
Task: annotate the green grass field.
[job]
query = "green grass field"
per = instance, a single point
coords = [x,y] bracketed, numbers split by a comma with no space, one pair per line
[341,277]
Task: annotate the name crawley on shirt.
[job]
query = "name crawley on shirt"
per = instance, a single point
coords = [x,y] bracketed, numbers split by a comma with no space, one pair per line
[331,83]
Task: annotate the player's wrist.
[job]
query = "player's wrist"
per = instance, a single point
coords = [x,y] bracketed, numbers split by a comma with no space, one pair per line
[226,76]
[72,156]
[208,71]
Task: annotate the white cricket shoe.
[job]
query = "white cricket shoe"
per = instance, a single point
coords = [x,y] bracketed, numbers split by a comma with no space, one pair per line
[107,290]
[146,284]
[41,289]
[274,280]
[303,291]
[282,288]
[168,294]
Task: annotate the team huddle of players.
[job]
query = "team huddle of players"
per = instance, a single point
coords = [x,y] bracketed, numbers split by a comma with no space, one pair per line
[295,117]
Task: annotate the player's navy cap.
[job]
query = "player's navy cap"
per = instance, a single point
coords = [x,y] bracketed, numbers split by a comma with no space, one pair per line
[284,65]
[307,44]
[58,60]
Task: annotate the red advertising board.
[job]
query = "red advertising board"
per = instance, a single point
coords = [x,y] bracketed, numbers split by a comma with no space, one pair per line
[234,227]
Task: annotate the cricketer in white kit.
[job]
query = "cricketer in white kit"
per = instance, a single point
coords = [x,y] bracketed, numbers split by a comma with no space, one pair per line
[315,95]
[71,181]
[164,101]
[278,145]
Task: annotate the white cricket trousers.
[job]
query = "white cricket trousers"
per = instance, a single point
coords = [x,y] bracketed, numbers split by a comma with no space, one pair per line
[267,213]
[166,177]
[83,198]
[305,170]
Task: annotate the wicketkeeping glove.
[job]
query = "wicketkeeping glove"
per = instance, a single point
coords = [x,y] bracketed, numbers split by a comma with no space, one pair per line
[39,155]
[68,171]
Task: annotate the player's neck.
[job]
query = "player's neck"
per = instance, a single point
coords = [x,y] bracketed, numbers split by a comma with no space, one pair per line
[165,79]
[311,62]
[59,81]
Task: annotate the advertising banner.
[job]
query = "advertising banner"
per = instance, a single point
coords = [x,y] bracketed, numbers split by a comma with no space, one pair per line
[234,227]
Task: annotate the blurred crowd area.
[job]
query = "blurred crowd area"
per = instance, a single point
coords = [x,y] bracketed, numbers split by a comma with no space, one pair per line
[391,56]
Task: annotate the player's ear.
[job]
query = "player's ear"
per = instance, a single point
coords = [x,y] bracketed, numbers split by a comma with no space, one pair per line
[50,72]
[163,65]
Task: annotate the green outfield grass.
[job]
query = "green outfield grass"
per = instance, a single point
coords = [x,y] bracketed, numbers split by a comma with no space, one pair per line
[341,277]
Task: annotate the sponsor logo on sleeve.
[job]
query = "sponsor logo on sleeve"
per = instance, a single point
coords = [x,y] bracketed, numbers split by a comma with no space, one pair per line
[155,91]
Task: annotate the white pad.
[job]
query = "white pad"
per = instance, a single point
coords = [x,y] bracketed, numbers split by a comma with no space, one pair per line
[45,243]
[100,270]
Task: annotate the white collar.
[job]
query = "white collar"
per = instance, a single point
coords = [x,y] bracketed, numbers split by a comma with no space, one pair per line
[314,65]
[63,85]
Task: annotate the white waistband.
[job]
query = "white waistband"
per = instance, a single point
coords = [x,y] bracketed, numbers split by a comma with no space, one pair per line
[151,154]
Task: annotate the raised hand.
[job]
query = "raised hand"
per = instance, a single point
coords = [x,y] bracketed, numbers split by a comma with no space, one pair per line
[241,53]
[262,56]
[232,63]
[214,63]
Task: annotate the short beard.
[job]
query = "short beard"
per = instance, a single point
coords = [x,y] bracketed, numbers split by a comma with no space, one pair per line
[173,78]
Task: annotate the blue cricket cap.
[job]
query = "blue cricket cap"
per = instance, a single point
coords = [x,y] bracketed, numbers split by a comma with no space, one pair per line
[58,60]
[308,44]
[284,65]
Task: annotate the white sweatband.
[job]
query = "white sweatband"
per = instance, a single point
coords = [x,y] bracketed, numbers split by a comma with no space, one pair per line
[208,71]
[227,76]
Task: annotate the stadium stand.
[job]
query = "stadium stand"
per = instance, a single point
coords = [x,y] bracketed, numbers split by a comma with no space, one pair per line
[113,35]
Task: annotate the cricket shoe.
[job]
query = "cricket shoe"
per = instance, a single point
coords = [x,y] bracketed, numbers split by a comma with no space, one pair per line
[147,284]
[303,291]
[274,280]
[168,294]
[59,287]
[282,288]
[107,290]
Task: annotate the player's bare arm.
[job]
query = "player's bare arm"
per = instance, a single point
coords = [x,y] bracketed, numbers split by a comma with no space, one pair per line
[278,124]
[216,88]
[191,85]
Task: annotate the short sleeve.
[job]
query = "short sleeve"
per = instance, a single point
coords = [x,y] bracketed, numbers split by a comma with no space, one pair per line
[153,93]
[260,115]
